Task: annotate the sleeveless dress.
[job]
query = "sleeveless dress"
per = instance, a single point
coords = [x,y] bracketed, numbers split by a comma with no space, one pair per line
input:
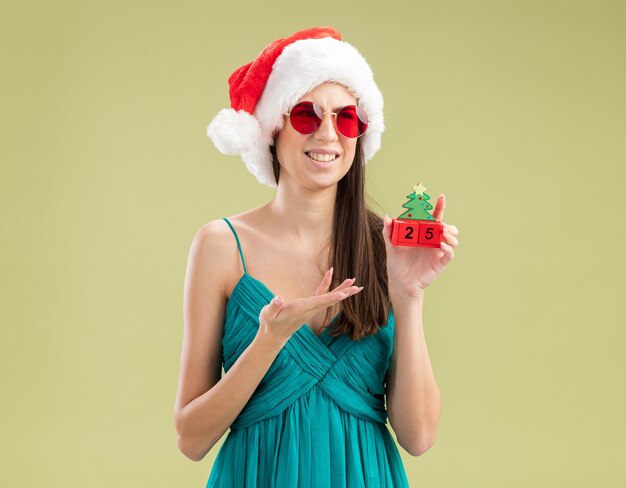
[318,417]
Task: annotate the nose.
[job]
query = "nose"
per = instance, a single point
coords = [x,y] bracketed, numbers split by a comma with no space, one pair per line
[327,131]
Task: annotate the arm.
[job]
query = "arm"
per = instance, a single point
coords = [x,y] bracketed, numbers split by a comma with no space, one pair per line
[206,405]
[413,397]
[203,421]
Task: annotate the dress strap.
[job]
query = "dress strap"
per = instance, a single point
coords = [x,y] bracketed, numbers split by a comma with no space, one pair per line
[238,244]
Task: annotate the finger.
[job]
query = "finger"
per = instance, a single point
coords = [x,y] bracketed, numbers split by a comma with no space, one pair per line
[331,298]
[449,238]
[448,254]
[346,283]
[325,284]
[272,309]
[440,207]
[453,229]
[346,292]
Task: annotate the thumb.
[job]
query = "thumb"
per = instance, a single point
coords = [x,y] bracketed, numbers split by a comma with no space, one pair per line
[272,309]
[276,304]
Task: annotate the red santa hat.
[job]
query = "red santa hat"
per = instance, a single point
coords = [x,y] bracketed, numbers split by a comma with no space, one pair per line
[284,71]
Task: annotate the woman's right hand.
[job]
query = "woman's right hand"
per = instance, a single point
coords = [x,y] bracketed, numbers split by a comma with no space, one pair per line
[279,320]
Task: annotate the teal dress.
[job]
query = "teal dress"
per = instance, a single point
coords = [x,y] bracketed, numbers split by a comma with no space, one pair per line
[318,417]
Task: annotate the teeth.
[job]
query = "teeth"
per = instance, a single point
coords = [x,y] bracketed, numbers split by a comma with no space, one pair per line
[322,157]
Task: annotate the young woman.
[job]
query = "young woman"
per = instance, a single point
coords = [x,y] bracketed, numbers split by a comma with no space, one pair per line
[313,313]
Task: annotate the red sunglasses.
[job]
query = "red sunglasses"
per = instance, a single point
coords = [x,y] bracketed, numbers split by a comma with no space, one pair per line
[351,121]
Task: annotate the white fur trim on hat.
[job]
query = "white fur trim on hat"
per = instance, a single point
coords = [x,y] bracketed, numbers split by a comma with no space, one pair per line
[239,133]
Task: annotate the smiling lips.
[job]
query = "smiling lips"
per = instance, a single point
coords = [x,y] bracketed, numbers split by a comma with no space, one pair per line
[322,158]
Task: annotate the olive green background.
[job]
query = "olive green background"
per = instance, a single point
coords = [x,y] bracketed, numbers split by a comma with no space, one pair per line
[514,110]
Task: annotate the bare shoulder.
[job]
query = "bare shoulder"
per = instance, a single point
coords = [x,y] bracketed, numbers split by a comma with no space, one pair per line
[215,251]
[214,236]
[214,232]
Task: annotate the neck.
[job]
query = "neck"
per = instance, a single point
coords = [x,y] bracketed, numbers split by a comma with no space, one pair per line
[305,217]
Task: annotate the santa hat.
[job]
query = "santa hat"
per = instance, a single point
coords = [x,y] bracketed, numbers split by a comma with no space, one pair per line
[284,71]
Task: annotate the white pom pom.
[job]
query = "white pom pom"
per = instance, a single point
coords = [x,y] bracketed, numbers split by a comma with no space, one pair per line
[234,132]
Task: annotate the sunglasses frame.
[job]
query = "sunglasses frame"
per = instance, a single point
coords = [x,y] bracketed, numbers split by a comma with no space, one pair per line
[334,114]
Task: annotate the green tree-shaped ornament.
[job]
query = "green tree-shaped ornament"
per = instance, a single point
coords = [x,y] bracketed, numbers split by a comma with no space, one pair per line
[418,205]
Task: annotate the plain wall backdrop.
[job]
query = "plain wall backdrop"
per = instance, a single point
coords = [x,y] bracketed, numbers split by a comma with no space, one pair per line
[514,109]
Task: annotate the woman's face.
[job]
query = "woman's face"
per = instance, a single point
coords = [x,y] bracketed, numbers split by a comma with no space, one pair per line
[293,148]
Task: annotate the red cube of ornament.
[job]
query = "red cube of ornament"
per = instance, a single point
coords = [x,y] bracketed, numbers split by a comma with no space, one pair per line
[404,232]
[430,233]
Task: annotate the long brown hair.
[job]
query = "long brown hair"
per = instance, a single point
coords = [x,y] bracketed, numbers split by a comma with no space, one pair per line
[359,252]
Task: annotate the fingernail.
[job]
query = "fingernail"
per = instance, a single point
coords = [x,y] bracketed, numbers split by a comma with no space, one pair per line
[278,300]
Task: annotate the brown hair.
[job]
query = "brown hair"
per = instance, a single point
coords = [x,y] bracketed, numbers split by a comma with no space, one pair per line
[359,253]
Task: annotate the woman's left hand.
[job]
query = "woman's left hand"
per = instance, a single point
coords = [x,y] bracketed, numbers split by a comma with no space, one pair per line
[411,269]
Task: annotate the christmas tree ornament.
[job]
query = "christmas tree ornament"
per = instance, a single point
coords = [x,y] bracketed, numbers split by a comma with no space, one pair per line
[416,226]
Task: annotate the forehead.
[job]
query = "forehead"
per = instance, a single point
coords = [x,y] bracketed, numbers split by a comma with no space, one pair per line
[329,95]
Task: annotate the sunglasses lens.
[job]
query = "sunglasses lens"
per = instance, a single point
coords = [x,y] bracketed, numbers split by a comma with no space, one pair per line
[304,118]
[352,121]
